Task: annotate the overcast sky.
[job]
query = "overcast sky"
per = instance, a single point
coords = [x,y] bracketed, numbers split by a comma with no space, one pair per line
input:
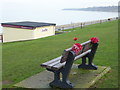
[59,3]
[14,6]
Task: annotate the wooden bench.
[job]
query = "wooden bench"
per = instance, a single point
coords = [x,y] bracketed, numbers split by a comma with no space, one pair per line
[64,63]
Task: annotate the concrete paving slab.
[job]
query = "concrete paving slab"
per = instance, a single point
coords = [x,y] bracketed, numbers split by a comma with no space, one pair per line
[79,77]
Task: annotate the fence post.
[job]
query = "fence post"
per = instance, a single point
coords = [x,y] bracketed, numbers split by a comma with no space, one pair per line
[62,28]
[81,25]
[73,26]
[100,21]
[84,25]
[1,38]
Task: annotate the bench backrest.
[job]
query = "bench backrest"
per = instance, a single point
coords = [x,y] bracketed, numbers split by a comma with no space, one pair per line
[86,46]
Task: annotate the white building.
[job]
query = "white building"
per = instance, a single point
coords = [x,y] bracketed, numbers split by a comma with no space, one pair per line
[18,31]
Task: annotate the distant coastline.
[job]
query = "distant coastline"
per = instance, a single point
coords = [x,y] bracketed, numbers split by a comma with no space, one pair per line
[101,9]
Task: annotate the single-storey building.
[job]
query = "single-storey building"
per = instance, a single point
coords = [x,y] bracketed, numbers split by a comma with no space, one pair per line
[18,31]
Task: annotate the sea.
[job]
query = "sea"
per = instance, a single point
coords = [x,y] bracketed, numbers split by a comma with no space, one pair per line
[60,17]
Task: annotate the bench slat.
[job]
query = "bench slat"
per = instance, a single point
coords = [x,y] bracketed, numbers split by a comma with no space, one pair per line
[83,54]
[64,56]
[51,61]
[89,41]
[52,64]
[86,47]
[59,65]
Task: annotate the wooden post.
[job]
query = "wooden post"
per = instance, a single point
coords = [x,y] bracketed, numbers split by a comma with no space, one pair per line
[81,25]
[62,28]
[73,26]
[84,25]
[1,38]
[100,21]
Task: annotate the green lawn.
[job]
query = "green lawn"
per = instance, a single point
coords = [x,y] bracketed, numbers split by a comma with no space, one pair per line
[23,59]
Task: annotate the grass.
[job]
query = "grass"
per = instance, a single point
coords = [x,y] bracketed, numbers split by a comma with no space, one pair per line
[72,29]
[23,59]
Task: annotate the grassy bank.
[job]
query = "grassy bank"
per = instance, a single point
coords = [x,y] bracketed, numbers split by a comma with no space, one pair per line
[22,59]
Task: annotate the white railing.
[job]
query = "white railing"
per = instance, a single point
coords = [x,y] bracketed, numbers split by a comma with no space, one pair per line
[82,24]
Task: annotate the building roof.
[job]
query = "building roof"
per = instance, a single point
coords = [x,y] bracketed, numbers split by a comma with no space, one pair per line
[26,24]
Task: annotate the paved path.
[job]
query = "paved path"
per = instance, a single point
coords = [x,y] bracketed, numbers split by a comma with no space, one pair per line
[79,77]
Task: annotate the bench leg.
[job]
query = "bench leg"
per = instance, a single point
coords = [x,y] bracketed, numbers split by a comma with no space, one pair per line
[64,83]
[90,57]
[65,73]
[83,65]
[56,82]
[90,64]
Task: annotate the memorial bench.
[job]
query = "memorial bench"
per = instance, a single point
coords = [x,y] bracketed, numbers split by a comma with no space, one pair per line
[63,64]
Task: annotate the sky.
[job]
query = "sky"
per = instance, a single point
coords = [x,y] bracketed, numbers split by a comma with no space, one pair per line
[7,6]
[59,3]
[19,5]
[22,6]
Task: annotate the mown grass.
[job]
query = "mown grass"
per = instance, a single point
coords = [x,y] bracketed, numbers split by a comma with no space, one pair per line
[23,59]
